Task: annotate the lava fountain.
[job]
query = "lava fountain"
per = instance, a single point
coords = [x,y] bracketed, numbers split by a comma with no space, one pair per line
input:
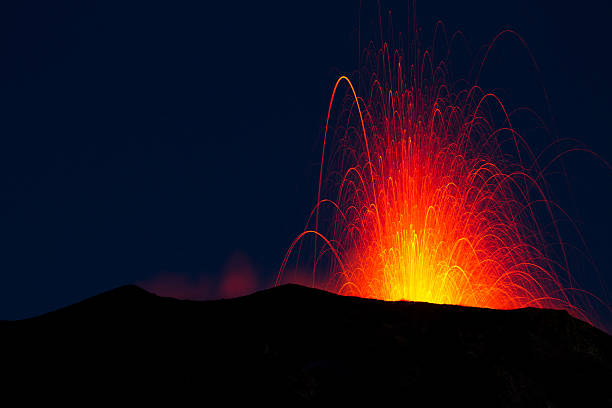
[436,197]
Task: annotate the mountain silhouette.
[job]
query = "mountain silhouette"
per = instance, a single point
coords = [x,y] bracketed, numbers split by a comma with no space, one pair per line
[294,344]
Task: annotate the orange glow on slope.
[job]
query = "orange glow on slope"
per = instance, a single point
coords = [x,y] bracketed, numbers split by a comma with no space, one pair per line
[430,206]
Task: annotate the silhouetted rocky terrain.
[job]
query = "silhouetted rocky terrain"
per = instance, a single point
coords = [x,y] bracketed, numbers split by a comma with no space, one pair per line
[292,344]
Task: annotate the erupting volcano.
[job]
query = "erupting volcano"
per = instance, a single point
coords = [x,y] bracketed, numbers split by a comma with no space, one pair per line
[169,145]
[434,195]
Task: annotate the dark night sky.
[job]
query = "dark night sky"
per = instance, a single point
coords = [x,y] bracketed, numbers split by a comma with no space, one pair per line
[153,138]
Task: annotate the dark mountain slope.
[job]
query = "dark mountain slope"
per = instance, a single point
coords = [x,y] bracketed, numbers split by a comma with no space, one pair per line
[294,343]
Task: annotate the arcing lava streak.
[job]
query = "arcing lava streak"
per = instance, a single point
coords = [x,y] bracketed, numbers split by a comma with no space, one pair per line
[429,204]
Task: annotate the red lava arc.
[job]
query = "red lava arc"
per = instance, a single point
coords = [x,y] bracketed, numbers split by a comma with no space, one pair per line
[436,196]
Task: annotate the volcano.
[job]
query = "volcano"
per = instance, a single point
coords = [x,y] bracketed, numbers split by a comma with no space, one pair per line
[293,344]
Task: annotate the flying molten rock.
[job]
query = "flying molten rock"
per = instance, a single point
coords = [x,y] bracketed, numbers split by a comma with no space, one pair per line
[436,197]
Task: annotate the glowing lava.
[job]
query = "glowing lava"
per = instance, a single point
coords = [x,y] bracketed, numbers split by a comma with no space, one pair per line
[437,195]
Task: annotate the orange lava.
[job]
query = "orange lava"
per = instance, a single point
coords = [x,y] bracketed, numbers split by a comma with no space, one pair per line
[430,217]
[436,197]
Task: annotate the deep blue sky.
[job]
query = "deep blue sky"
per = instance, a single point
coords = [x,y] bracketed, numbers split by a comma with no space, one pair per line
[146,138]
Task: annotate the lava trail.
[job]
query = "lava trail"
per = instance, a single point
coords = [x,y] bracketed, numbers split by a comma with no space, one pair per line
[427,192]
